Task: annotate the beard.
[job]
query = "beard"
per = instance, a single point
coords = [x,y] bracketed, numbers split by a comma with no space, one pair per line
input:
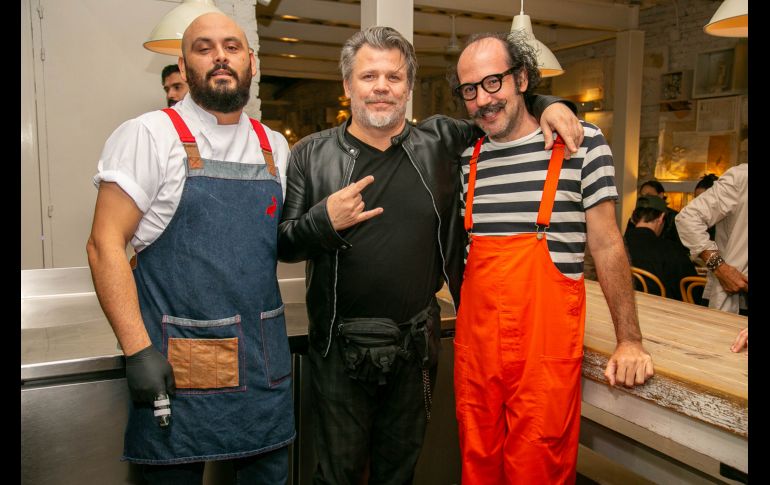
[219,97]
[371,119]
[502,132]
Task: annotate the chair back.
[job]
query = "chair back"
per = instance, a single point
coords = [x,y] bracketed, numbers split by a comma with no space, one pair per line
[687,284]
[640,274]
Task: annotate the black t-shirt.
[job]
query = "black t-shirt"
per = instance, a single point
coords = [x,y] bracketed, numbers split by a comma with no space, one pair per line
[393,268]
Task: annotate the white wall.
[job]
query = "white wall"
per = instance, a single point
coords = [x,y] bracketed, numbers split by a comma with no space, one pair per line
[95,75]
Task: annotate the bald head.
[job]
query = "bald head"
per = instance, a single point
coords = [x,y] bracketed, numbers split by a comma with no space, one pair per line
[210,26]
[217,64]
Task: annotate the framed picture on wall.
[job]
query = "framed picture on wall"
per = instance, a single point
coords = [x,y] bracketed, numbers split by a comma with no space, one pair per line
[718,114]
[675,86]
[721,72]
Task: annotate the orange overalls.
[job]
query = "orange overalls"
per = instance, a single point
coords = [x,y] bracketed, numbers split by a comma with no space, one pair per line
[518,352]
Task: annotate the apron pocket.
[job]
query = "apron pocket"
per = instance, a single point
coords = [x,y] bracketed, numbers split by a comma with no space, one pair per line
[561,386]
[275,346]
[206,355]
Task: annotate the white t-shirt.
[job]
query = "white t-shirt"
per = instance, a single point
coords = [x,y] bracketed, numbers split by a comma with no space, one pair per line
[145,157]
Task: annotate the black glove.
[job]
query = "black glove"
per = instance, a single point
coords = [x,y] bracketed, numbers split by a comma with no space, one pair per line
[149,375]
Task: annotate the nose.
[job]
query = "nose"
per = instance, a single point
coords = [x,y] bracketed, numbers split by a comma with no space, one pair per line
[483,98]
[220,56]
[381,85]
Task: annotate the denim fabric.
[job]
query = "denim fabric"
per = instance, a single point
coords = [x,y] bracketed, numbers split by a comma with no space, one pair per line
[355,422]
[269,468]
[212,275]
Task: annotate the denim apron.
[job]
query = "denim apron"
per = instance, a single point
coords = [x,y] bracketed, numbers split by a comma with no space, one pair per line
[209,297]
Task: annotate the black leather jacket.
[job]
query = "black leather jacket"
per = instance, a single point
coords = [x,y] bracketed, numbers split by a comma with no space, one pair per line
[322,163]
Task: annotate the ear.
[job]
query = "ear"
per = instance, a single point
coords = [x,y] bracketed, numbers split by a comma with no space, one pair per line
[182,71]
[346,86]
[523,81]
[253,62]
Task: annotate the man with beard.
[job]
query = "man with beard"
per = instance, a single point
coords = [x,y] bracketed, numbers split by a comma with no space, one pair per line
[197,191]
[519,332]
[372,275]
[173,84]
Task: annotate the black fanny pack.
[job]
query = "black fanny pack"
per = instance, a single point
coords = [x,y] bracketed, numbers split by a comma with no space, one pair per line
[370,346]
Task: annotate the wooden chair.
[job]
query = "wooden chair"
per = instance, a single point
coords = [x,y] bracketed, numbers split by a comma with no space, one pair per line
[687,284]
[640,274]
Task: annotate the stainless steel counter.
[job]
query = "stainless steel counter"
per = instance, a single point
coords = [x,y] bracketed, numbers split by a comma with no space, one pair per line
[65,332]
[74,396]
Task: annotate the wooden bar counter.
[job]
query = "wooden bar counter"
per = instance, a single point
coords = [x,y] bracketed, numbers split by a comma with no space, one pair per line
[698,397]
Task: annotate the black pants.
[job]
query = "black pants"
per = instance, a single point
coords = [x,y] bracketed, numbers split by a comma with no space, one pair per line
[266,468]
[354,425]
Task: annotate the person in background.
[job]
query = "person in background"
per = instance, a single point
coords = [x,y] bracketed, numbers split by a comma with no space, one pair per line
[726,205]
[704,184]
[197,189]
[173,84]
[657,255]
[519,331]
[373,206]
[655,189]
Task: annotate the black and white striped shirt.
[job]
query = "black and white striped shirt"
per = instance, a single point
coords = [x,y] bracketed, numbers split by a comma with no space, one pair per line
[509,184]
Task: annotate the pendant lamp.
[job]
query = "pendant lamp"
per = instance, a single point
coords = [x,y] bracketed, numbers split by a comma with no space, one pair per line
[166,37]
[730,20]
[546,61]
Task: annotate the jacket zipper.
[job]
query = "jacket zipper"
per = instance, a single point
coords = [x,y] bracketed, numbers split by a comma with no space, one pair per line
[345,183]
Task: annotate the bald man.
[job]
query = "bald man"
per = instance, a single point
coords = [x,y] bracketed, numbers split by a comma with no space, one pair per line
[197,190]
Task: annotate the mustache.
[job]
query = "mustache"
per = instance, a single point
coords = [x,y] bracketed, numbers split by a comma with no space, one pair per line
[221,67]
[380,100]
[490,108]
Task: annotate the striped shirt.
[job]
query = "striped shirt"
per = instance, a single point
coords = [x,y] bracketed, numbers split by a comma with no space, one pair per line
[509,185]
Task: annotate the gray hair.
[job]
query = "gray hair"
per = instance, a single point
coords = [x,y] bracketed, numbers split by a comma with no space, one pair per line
[521,56]
[378,37]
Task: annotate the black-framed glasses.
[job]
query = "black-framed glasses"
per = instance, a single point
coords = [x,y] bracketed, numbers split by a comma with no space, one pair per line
[491,84]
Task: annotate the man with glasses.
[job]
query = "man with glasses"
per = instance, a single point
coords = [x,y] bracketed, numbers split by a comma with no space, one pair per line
[373,206]
[519,331]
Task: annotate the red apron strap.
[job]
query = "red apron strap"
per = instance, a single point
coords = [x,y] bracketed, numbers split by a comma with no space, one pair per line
[472,185]
[179,124]
[551,182]
[267,152]
[188,141]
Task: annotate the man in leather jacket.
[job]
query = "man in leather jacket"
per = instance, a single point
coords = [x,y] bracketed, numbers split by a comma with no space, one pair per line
[373,206]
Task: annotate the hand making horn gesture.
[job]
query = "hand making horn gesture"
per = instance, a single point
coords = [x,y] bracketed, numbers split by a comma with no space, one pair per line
[346,206]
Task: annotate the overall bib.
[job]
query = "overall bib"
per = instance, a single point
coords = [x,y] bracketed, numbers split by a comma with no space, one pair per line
[209,297]
[518,354]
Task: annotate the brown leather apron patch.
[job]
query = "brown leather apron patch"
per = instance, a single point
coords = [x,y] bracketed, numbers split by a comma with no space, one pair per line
[204,363]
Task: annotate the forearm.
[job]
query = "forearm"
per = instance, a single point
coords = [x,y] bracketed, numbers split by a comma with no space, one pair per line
[614,275]
[116,291]
[537,103]
[303,236]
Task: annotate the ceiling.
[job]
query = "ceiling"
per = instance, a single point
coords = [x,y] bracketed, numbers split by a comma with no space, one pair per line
[303,38]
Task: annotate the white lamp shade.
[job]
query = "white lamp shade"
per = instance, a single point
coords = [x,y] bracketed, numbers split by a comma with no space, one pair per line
[546,61]
[166,37]
[730,20]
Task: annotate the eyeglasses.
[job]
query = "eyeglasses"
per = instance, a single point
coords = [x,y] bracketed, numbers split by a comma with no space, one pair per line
[491,84]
